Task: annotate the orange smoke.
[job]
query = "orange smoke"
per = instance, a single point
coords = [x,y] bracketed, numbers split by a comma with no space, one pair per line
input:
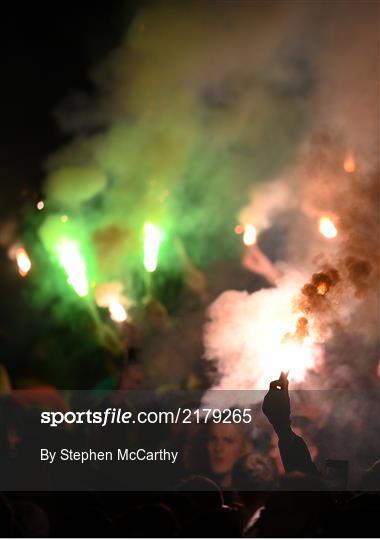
[300,333]
[312,299]
[322,288]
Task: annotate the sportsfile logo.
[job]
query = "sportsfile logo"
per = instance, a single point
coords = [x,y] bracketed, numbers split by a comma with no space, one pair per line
[118,416]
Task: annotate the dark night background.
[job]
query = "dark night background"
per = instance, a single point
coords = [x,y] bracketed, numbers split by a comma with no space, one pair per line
[47,52]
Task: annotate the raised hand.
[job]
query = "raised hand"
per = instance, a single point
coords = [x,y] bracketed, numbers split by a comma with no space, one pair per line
[276,404]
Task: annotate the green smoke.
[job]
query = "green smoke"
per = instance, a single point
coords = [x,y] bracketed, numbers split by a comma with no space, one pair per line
[191,119]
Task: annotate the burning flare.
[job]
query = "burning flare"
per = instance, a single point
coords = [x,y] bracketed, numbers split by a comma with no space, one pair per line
[23,261]
[152,241]
[250,235]
[327,227]
[322,288]
[254,337]
[117,312]
[73,263]
[19,254]
[349,164]
[296,358]
[296,354]
[110,295]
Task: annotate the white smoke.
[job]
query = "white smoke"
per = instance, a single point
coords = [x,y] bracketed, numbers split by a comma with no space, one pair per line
[245,334]
[244,330]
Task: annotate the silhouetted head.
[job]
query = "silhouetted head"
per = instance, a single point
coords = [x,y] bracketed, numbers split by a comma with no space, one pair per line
[254,472]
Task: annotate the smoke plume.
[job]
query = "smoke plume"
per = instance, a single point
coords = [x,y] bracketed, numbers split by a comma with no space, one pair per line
[208,114]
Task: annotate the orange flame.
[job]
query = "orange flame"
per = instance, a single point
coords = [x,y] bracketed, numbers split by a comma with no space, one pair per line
[300,333]
[297,350]
[349,164]
[23,262]
[322,288]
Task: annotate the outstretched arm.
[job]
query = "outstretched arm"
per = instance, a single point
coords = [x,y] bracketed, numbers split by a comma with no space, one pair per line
[294,453]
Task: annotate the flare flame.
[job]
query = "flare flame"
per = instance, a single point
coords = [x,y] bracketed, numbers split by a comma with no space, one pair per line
[23,261]
[152,241]
[327,227]
[349,164]
[250,235]
[73,263]
[117,312]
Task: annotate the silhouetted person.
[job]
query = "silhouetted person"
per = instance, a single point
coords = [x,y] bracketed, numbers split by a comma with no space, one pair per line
[200,508]
[253,477]
[294,453]
[147,521]
[195,497]
[7,518]
[300,508]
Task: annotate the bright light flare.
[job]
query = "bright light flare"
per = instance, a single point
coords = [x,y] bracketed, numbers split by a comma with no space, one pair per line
[23,261]
[349,164]
[250,235]
[253,337]
[297,358]
[152,241]
[73,263]
[327,227]
[294,352]
[40,205]
[117,312]
[293,356]
[110,295]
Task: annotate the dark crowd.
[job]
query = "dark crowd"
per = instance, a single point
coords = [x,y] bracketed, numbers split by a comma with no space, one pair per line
[229,482]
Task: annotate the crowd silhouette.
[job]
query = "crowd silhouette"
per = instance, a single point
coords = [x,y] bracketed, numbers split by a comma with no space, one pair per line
[238,492]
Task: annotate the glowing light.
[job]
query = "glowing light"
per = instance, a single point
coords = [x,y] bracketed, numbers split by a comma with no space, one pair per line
[152,241]
[239,229]
[296,349]
[64,219]
[23,261]
[117,312]
[296,358]
[349,164]
[290,355]
[327,227]
[72,261]
[322,288]
[255,336]
[110,295]
[40,205]
[250,235]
